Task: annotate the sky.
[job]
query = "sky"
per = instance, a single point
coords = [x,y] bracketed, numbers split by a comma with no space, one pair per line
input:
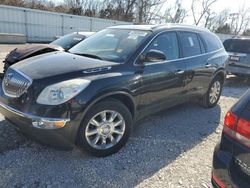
[221,4]
[232,5]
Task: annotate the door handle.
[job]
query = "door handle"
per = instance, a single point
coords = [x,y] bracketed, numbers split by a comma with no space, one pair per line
[179,72]
[208,65]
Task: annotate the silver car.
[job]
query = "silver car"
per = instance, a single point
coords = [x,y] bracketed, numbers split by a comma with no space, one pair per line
[239,56]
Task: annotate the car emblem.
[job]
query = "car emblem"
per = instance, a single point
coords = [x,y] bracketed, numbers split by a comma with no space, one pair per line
[7,79]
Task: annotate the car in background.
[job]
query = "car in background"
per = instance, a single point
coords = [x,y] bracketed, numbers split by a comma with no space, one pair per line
[231,159]
[63,43]
[238,49]
[110,80]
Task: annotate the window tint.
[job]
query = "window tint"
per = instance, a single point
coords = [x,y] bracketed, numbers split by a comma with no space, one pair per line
[190,44]
[212,42]
[237,45]
[115,45]
[203,50]
[166,43]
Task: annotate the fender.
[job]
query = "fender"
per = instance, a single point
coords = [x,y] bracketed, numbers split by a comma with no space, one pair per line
[99,98]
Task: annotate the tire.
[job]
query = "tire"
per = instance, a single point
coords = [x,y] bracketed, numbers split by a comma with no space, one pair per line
[207,101]
[94,129]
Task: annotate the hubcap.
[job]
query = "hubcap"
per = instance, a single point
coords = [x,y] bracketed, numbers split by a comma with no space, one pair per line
[214,92]
[105,129]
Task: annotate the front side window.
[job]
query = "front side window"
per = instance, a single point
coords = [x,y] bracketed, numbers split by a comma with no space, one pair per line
[166,43]
[190,44]
[114,45]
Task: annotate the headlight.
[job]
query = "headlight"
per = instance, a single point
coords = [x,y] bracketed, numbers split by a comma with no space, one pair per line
[61,92]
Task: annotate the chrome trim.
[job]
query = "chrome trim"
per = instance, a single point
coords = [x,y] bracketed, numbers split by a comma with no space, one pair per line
[31,117]
[99,69]
[22,74]
[167,61]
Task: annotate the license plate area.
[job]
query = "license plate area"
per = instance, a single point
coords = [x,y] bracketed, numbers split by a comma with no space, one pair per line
[234,58]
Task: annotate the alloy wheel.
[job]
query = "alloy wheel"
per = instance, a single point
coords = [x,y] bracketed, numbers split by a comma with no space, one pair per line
[105,129]
[214,92]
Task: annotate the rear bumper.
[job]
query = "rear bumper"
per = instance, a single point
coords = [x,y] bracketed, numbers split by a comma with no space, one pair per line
[63,137]
[223,176]
[234,69]
[221,163]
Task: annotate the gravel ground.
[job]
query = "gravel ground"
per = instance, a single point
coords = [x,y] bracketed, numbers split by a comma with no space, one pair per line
[170,149]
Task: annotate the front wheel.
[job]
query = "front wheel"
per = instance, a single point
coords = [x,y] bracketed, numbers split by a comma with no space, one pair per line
[212,96]
[106,128]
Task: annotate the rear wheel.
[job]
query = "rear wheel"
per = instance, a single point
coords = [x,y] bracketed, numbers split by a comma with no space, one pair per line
[211,98]
[106,128]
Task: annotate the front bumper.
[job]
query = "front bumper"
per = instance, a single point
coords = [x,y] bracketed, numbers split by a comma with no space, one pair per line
[63,137]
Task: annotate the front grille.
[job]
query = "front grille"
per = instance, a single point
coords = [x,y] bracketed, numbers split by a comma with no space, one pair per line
[15,83]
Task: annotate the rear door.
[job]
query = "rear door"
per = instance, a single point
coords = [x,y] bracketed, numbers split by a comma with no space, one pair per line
[197,72]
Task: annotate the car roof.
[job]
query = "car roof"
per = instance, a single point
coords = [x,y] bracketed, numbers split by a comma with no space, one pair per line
[84,33]
[241,38]
[155,28]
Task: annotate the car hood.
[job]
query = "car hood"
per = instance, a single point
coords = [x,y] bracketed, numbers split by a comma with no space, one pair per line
[59,63]
[28,50]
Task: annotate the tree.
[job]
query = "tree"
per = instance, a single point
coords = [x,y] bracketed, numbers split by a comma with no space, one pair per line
[240,20]
[20,3]
[246,33]
[175,14]
[205,6]
[148,10]
[224,29]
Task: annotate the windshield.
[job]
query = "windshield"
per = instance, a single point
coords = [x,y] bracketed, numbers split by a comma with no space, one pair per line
[68,41]
[114,45]
[239,46]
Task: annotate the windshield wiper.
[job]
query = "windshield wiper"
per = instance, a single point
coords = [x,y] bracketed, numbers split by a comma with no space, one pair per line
[89,55]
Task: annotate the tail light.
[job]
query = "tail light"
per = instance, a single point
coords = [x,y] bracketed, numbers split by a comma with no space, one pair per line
[218,181]
[237,128]
[230,120]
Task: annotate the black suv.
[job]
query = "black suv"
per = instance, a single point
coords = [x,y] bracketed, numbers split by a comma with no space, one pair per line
[91,96]
[231,160]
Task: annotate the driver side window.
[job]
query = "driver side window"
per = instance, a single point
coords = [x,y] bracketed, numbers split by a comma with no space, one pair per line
[166,43]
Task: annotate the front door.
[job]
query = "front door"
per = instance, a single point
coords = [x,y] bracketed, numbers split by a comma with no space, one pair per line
[162,82]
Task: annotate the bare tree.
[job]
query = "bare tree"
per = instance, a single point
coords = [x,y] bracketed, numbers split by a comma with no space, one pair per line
[240,20]
[219,21]
[205,6]
[175,13]
[210,19]
[148,10]
[13,2]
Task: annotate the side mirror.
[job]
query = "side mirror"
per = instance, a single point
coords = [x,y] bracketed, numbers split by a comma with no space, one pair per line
[154,56]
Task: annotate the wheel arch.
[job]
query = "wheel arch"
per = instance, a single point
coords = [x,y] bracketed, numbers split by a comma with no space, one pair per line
[221,74]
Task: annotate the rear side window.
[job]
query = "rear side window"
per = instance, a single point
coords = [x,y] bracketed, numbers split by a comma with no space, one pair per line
[212,42]
[190,44]
[237,45]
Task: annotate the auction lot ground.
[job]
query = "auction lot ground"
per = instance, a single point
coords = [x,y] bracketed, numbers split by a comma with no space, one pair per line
[169,149]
